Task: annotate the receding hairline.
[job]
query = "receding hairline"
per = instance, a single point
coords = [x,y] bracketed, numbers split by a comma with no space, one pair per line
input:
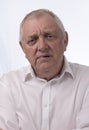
[39,13]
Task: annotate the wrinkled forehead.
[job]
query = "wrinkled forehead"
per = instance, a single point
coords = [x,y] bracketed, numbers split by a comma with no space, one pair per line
[43,12]
[38,16]
[41,24]
[44,19]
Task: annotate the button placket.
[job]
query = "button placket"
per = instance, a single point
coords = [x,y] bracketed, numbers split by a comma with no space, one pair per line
[45,108]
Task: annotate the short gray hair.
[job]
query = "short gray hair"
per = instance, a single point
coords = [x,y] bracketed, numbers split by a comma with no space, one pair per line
[40,12]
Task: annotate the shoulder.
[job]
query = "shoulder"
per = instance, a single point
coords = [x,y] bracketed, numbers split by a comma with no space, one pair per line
[15,75]
[80,72]
[79,67]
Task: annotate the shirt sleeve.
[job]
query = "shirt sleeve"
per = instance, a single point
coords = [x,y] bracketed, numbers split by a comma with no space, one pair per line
[82,121]
[8,117]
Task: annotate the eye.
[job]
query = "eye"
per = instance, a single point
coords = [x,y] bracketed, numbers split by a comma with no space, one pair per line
[50,36]
[32,41]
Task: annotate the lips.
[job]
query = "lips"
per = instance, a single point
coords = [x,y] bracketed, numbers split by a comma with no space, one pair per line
[43,56]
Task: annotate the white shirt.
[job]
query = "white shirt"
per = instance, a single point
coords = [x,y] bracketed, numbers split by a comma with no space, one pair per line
[31,103]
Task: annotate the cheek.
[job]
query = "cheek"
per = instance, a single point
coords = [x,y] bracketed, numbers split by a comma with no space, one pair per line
[58,50]
[30,55]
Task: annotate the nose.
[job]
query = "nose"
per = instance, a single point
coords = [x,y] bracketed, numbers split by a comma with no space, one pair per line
[42,44]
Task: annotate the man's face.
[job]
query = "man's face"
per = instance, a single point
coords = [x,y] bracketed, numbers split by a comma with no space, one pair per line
[43,44]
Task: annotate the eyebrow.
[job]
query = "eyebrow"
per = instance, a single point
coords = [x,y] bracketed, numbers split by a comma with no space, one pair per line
[48,31]
[32,36]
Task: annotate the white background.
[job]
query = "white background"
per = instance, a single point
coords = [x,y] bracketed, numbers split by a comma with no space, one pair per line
[73,13]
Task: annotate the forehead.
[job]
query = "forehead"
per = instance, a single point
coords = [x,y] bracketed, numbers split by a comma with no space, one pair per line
[45,21]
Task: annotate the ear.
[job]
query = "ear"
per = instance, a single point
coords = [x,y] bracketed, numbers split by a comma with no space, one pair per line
[66,39]
[21,45]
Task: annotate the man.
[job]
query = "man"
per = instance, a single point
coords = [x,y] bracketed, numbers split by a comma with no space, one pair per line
[51,93]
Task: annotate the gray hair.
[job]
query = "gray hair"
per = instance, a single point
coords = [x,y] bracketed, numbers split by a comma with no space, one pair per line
[40,12]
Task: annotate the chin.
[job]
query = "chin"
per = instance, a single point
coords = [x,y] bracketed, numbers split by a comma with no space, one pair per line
[44,68]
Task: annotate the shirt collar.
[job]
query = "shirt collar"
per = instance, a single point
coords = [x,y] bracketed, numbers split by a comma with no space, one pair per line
[29,72]
[67,68]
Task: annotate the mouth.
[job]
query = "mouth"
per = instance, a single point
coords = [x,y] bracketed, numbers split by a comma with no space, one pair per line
[44,57]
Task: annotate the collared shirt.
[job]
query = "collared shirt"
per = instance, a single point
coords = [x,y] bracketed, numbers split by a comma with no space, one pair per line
[30,103]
